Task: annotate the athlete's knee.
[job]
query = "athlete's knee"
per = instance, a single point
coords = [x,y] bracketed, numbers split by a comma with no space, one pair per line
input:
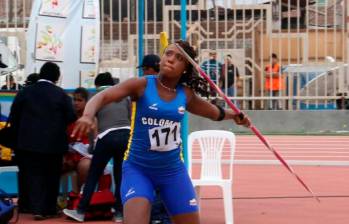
[192,218]
[137,211]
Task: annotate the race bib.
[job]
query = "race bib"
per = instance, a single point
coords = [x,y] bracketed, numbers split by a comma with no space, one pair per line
[165,138]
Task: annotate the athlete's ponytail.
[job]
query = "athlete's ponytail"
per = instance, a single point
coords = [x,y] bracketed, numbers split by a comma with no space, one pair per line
[190,77]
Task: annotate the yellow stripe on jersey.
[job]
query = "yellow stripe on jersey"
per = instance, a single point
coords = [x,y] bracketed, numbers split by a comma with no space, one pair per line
[133,120]
[181,153]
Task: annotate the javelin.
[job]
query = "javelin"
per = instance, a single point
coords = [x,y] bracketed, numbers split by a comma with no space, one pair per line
[252,127]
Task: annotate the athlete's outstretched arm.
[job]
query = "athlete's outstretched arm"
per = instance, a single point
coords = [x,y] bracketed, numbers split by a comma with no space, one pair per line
[133,87]
[198,106]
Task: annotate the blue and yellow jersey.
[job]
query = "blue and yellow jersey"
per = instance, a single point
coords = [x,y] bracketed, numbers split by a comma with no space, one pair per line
[155,140]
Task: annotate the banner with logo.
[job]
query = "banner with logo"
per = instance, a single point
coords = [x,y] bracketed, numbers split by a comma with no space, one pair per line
[68,33]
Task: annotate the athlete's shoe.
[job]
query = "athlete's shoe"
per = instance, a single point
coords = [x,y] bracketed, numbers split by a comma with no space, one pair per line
[74,214]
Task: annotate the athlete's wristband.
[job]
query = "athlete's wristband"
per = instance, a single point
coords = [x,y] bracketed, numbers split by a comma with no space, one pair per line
[221,113]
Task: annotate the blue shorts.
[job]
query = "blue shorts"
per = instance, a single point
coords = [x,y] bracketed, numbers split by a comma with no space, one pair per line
[176,189]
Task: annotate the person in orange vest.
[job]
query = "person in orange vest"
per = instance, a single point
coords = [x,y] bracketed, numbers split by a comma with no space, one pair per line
[274,82]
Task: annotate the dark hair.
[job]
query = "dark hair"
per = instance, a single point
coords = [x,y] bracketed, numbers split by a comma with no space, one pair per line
[82,91]
[190,77]
[31,79]
[104,79]
[273,55]
[50,71]
[151,61]
[157,68]
[229,56]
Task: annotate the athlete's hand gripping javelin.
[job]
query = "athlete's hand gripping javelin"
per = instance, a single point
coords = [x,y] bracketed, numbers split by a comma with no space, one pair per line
[242,119]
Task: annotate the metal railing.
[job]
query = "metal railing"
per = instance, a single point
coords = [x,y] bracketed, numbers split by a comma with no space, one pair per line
[309,39]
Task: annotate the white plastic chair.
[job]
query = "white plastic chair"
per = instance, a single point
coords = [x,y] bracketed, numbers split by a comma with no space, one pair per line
[214,147]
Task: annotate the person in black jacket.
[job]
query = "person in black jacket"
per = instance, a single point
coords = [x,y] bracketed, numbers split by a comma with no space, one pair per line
[40,115]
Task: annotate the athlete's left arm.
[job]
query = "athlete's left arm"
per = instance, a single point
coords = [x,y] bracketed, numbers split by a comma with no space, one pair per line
[198,106]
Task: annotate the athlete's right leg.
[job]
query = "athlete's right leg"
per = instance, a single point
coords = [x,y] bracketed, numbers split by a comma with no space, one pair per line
[137,211]
[137,193]
[179,197]
[192,218]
